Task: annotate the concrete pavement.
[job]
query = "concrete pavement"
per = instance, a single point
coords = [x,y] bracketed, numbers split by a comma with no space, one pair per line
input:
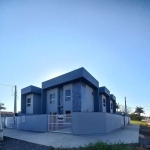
[128,134]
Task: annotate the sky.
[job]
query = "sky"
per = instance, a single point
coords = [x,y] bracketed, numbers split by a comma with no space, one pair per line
[40,40]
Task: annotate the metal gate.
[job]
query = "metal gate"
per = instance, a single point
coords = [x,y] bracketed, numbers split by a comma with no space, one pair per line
[59,123]
[18,119]
[9,122]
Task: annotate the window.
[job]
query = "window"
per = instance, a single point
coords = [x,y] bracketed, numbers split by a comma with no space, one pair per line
[52,98]
[28,102]
[104,102]
[68,95]
[111,106]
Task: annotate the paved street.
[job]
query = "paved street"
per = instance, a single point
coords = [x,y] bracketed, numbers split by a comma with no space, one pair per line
[128,134]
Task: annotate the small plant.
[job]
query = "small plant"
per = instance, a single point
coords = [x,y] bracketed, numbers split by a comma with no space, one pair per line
[101,146]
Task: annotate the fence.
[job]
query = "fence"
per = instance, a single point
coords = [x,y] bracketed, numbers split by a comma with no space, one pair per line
[9,122]
[59,123]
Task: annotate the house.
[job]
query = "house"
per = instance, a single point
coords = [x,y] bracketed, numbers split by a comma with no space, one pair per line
[76,91]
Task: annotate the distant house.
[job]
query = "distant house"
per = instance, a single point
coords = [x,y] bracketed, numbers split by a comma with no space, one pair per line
[76,91]
[6,114]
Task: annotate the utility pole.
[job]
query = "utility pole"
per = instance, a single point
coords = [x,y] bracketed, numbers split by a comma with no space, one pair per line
[15,103]
[125,107]
[15,100]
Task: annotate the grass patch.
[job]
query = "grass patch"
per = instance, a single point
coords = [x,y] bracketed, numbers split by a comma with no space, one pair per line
[138,122]
[101,146]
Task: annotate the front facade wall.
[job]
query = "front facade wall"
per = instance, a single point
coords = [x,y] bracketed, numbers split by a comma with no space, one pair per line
[67,105]
[52,107]
[76,97]
[37,104]
[89,100]
[29,109]
[111,108]
[103,105]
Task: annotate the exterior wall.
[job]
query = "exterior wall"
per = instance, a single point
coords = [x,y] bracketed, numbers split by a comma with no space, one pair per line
[3,122]
[38,123]
[29,109]
[37,104]
[113,122]
[51,108]
[67,105]
[23,103]
[83,89]
[111,110]
[76,97]
[104,107]
[95,123]
[89,100]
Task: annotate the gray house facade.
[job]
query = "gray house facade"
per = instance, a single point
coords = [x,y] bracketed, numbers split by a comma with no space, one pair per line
[76,91]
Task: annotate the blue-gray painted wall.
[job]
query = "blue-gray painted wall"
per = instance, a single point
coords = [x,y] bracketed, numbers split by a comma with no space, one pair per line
[95,123]
[37,123]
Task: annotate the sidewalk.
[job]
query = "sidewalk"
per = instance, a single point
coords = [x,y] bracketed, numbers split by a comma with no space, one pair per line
[128,134]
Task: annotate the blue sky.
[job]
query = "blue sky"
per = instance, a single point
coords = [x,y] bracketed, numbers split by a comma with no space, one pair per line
[43,39]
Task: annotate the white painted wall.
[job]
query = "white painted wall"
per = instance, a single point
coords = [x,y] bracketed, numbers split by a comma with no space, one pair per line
[103,107]
[67,105]
[29,109]
[52,107]
[111,110]
[89,100]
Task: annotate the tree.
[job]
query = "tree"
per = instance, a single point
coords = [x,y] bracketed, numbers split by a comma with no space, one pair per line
[129,109]
[139,110]
[117,106]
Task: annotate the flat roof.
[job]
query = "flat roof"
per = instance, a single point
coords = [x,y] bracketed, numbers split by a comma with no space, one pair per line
[104,90]
[112,97]
[77,75]
[31,89]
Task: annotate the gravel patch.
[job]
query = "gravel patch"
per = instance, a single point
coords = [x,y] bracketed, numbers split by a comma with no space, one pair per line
[14,144]
[144,135]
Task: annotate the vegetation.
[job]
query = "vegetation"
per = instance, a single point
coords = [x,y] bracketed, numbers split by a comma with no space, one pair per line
[117,106]
[2,106]
[101,146]
[139,110]
[138,122]
[136,117]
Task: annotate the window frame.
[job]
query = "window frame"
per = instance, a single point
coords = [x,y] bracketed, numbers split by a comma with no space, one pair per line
[28,103]
[104,102]
[67,96]
[52,101]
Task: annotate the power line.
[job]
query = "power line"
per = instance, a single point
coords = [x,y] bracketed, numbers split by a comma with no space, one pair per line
[6,85]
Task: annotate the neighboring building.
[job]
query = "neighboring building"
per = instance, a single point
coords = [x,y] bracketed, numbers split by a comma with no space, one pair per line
[76,91]
[6,114]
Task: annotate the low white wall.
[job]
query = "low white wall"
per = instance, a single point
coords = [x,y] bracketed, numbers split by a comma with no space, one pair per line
[95,122]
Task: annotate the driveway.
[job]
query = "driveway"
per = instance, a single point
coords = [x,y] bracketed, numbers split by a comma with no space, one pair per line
[128,134]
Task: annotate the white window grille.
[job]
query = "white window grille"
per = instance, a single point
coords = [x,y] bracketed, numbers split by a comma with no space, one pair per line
[52,98]
[28,102]
[68,95]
